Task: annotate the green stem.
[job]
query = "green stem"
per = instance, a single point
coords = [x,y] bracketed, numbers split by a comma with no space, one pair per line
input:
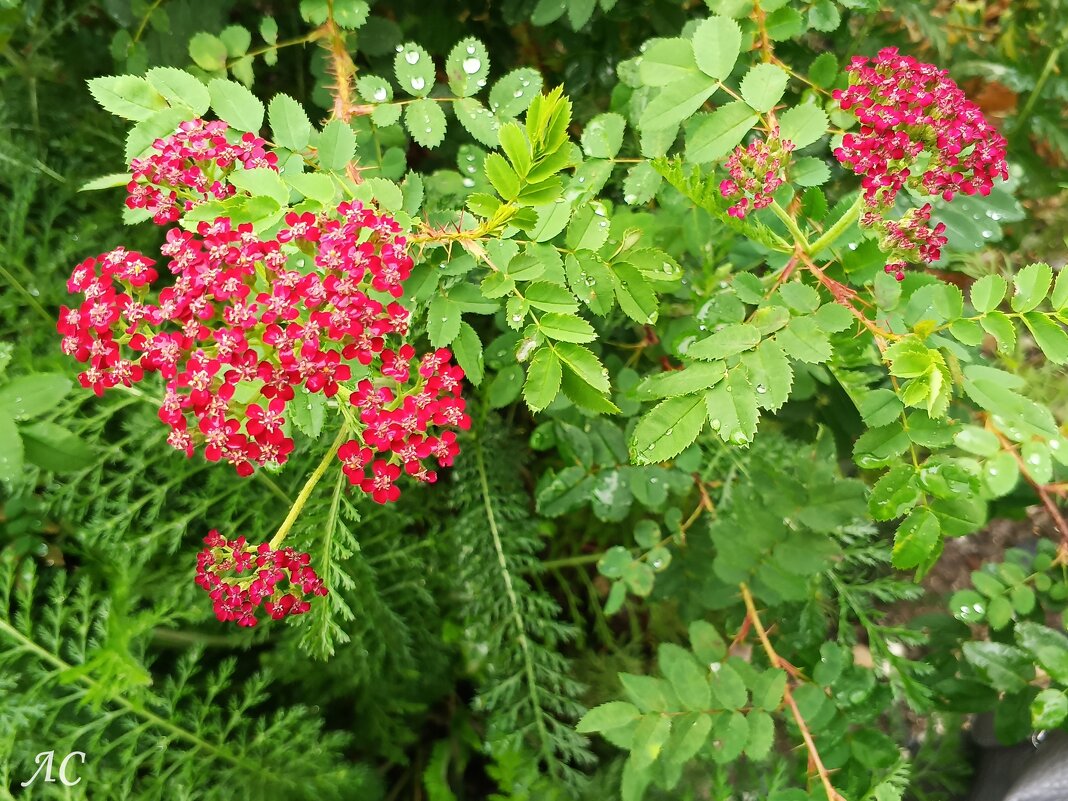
[791,225]
[571,561]
[30,299]
[299,40]
[830,236]
[306,491]
[144,20]
[1040,84]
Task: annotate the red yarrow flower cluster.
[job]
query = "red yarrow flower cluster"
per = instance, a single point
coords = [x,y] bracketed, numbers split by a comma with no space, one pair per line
[191,166]
[240,578]
[907,109]
[917,129]
[249,322]
[755,173]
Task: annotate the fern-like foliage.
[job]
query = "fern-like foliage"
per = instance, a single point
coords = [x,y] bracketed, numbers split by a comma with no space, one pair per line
[75,680]
[526,687]
[378,631]
[703,189]
[863,586]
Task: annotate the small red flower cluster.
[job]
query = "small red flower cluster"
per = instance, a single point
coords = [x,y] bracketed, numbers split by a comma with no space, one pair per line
[907,108]
[910,239]
[250,320]
[755,172]
[190,167]
[240,577]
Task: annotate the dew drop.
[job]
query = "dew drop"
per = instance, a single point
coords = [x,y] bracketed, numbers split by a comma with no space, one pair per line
[669,432]
[517,93]
[418,83]
[657,564]
[472,65]
[470,50]
[469,182]
[1035,459]
[761,389]
[987,234]
[716,424]
[412,57]
[380,94]
[738,438]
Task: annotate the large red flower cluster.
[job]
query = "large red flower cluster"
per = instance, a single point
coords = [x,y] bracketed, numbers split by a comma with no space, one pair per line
[249,322]
[917,129]
[907,109]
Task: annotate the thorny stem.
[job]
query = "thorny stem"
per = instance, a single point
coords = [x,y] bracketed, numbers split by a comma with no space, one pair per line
[306,490]
[844,296]
[1041,490]
[778,662]
[766,53]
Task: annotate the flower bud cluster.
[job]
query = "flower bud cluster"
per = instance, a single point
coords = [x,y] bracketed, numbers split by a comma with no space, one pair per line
[910,239]
[756,171]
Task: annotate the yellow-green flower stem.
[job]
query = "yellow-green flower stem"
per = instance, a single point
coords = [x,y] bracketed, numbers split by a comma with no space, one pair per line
[791,225]
[309,486]
[831,235]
